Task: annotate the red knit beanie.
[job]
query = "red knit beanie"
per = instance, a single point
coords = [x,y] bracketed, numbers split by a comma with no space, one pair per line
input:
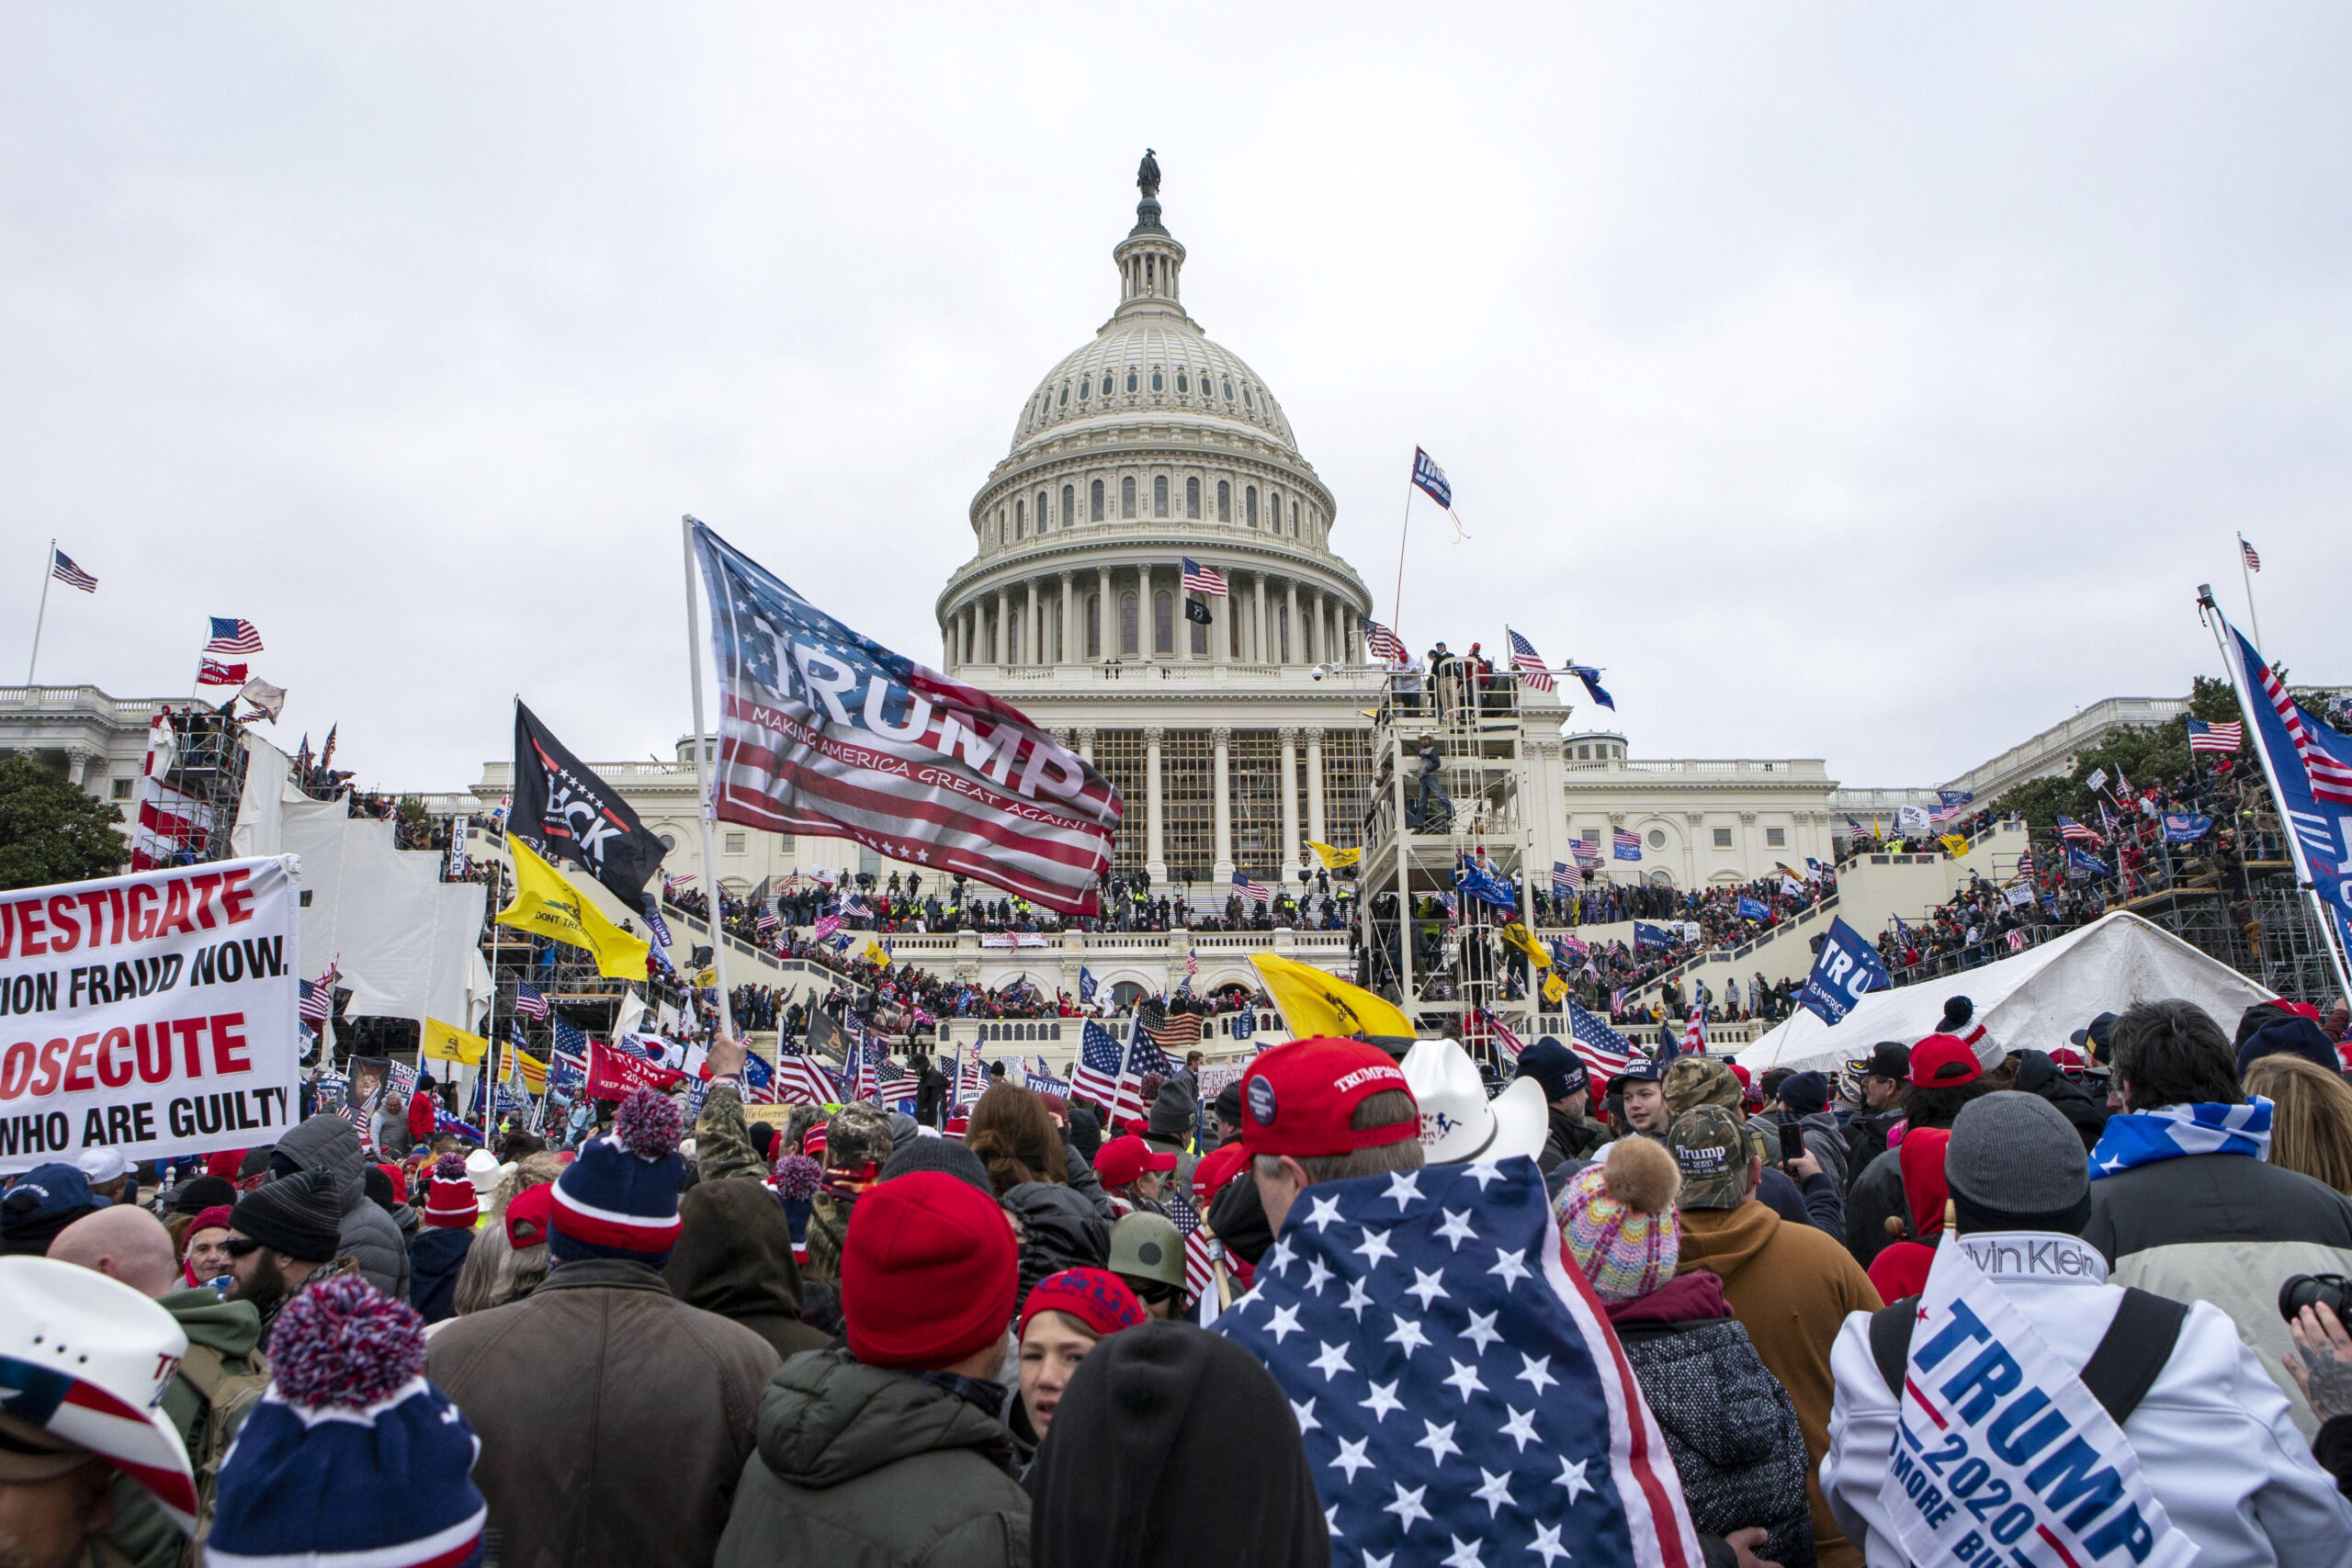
[450,1201]
[930,1274]
[1095,1298]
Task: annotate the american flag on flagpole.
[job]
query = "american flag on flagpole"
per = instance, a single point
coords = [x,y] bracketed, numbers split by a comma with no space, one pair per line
[1628,843]
[765,920]
[529,1001]
[1206,580]
[801,1079]
[1567,878]
[1095,1075]
[672,884]
[1694,1032]
[2253,560]
[1601,1048]
[62,567]
[1191,963]
[1493,1028]
[1145,1055]
[1384,644]
[1527,662]
[1200,1253]
[2074,832]
[318,998]
[232,635]
[2204,737]
[1586,851]
[1251,887]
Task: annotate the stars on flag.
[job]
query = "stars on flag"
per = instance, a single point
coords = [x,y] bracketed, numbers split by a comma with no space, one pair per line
[62,567]
[2253,560]
[530,1002]
[1527,662]
[1384,645]
[232,636]
[2204,737]
[1204,580]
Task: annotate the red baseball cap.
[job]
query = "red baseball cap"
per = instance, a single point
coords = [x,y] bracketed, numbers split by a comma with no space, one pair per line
[1123,1160]
[1944,1061]
[1298,1099]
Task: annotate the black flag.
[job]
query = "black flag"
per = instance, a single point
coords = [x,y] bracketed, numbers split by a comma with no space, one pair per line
[565,812]
[1198,613]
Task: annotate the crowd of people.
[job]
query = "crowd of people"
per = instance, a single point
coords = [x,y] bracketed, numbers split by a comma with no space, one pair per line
[1032,1329]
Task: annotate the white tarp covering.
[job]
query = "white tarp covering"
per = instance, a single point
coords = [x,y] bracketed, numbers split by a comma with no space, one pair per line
[260,828]
[2032,1001]
[407,943]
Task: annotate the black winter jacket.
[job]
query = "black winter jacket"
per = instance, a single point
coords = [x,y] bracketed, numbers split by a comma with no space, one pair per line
[2037,1074]
[1060,1228]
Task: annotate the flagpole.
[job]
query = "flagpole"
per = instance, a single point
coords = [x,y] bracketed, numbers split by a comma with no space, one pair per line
[1397,605]
[702,783]
[2245,575]
[2329,933]
[48,571]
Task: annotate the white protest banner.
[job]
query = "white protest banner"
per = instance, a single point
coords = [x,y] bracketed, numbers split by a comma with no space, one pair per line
[153,1014]
[2019,895]
[2001,1455]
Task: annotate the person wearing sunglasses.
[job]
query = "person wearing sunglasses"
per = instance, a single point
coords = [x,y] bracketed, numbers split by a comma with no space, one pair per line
[1148,1255]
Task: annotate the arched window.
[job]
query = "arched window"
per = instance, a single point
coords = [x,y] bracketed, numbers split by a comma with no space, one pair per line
[1098,500]
[1193,497]
[1248,397]
[1183,384]
[1011,637]
[1019,520]
[1070,505]
[1158,383]
[1127,496]
[1163,622]
[1129,632]
[1160,495]
[1228,391]
[1064,400]
[1131,381]
[1106,383]
[1293,520]
[1249,505]
[1095,626]
[1083,388]
[1041,512]
[1282,629]
[1273,511]
[1224,500]
[1200,636]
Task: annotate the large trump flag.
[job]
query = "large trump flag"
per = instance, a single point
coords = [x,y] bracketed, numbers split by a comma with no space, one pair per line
[823,731]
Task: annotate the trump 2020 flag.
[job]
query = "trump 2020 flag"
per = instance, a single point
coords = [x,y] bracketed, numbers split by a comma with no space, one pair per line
[1459,1391]
[824,731]
[1844,970]
[1985,1402]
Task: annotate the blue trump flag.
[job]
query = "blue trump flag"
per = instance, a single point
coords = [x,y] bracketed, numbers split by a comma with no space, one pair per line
[2321,836]
[1482,884]
[2186,826]
[1647,935]
[1844,970]
[2081,862]
[1087,985]
[1752,909]
[1456,1390]
[1431,479]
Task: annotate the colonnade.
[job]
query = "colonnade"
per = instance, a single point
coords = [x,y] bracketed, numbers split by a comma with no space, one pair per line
[1081,616]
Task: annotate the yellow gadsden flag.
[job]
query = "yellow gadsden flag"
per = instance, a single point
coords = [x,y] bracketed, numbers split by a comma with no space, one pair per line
[1555,988]
[447,1043]
[872,954]
[551,907]
[1954,845]
[1315,1002]
[1334,859]
[1519,937]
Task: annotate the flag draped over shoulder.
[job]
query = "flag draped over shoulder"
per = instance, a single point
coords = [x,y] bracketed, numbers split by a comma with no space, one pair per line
[547,904]
[1459,1391]
[823,731]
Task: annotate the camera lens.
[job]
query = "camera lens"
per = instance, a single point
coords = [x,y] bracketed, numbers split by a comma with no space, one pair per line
[2332,1290]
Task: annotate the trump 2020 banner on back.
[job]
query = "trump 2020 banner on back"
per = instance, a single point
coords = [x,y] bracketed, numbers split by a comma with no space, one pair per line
[153,1014]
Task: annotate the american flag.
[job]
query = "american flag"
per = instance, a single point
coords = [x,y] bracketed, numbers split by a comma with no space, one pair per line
[1487,1026]
[1522,1435]
[672,884]
[212,673]
[318,998]
[529,1001]
[1095,1077]
[232,635]
[2330,780]
[1250,887]
[1567,878]
[1384,644]
[1191,963]
[895,1081]
[570,1074]
[765,920]
[1200,1253]
[62,567]
[1949,803]
[1603,1050]
[2204,737]
[1199,579]
[1527,662]
[1617,1002]
[2074,832]
[801,1079]
[1145,1055]
[2253,561]
[2015,940]
[1694,1032]
[759,1080]
[1588,853]
[1628,843]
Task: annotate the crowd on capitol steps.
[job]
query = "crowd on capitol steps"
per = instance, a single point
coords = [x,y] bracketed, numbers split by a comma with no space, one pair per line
[1968,1300]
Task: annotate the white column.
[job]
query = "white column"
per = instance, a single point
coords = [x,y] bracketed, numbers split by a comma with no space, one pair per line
[1297,632]
[1221,630]
[1315,788]
[1322,628]
[1086,745]
[1156,860]
[1223,874]
[1290,803]
[1035,641]
[1262,653]
[1106,617]
[996,631]
[1072,646]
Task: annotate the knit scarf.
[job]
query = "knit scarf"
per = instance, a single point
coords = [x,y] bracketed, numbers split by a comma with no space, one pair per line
[2144,1138]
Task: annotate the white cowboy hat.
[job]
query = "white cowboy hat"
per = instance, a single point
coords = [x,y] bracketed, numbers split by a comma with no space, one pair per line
[485,1171]
[1458,1121]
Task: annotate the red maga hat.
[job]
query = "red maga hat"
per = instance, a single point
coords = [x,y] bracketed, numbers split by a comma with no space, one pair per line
[1298,1099]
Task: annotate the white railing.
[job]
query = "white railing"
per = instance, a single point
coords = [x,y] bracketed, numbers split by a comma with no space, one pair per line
[1708,767]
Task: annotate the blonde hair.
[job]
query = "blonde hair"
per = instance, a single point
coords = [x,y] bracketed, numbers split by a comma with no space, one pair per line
[2311,1119]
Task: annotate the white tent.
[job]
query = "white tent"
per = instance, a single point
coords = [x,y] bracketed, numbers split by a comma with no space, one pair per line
[2035,1000]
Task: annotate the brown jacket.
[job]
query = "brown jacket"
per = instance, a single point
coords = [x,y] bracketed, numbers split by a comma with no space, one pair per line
[614,1420]
[1791,1286]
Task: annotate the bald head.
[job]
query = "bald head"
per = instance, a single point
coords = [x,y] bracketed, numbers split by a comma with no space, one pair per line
[125,1244]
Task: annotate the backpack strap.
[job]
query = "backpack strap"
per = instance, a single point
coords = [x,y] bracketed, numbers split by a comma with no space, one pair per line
[2133,1352]
[2130,1354]
[1891,1340]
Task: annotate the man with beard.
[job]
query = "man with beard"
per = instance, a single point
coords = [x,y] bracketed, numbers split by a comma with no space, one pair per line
[282,1239]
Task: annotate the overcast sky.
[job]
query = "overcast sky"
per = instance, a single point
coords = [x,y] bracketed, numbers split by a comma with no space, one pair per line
[1850,381]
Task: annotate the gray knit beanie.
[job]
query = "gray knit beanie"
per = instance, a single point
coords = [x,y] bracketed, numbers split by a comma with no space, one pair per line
[946,1155]
[2015,1163]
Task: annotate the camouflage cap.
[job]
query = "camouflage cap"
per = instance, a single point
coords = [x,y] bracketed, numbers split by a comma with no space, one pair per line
[1711,1146]
[1693,1081]
[857,1134]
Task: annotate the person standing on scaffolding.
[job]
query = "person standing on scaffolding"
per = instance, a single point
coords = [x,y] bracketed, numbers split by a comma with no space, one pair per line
[1427,786]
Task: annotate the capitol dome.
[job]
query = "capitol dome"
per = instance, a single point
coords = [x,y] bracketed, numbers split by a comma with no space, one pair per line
[1148,446]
